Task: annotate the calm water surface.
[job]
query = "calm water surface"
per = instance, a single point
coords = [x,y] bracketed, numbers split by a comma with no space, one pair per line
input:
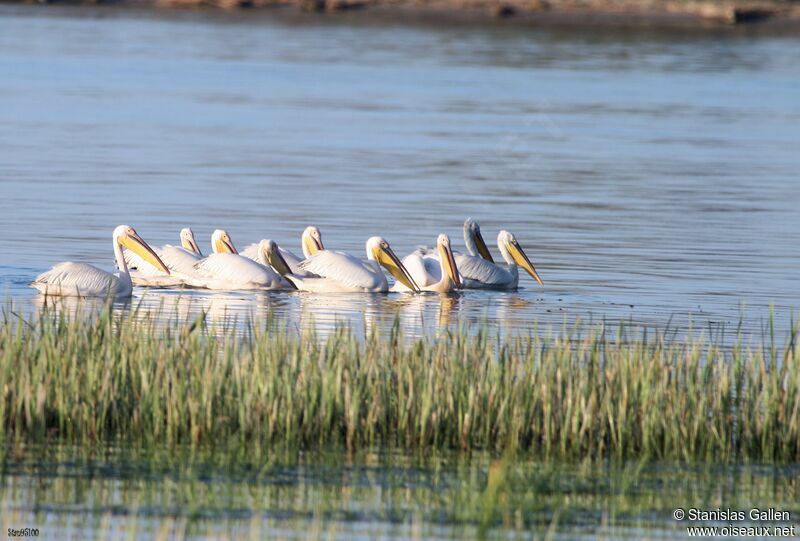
[651,177]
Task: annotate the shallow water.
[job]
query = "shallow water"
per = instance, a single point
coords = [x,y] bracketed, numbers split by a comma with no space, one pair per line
[110,493]
[650,176]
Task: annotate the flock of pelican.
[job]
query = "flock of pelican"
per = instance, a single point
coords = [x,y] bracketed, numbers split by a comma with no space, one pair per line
[267,266]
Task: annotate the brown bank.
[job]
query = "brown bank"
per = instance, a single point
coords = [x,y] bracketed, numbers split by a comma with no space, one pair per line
[711,13]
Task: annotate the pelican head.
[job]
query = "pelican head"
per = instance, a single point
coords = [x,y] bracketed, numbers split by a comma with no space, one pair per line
[126,237]
[379,250]
[513,254]
[311,241]
[474,240]
[187,241]
[269,254]
[447,259]
[221,242]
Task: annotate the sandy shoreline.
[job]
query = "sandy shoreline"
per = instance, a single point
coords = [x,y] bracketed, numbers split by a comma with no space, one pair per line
[647,13]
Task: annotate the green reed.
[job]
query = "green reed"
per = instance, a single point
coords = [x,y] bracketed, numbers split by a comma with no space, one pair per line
[582,393]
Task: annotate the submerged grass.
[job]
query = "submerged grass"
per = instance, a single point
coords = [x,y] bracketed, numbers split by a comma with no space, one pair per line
[577,395]
[115,493]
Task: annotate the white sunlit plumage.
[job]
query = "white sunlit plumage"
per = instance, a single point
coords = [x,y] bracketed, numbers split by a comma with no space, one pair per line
[70,279]
[437,274]
[310,243]
[226,269]
[338,272]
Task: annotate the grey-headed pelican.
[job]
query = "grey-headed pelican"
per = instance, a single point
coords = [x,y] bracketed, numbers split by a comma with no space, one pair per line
[84,280]
[474,242]
[478,270]
[438,274]
[338,272]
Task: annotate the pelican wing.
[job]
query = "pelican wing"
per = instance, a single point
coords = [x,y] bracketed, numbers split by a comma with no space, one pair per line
[230,266]
[424,269]
[178,259]
[158,280]
[234,271]
[77,279]
[345,269]
[250,252]
[434,269]
[478,270]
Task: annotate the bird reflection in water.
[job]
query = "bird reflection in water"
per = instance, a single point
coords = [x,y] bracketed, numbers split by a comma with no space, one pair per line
[320,314]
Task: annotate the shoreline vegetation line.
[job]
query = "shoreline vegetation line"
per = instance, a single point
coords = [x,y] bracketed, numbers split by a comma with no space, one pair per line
[626,393]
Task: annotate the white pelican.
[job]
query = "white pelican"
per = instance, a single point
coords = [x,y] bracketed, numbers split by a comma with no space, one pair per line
[226,269]
[480,273]
[338,272]
[269,255]
[310,242]
[83,280]
[439,274]
[188,243]
[221,242]
[179,259]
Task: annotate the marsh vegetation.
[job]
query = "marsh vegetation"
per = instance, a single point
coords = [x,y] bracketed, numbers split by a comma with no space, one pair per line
[584,391]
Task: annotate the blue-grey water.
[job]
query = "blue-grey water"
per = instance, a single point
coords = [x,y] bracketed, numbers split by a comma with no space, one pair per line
[650,176]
